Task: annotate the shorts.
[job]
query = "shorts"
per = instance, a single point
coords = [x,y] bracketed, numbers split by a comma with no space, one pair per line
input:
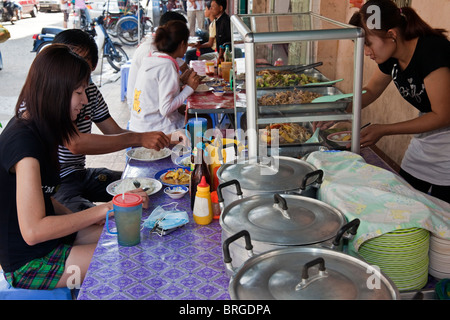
[41,273]
[66,15]
[80,189]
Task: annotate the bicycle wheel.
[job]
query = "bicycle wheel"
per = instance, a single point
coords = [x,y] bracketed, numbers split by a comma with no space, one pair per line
[111,28]
[118,58]
[127,30]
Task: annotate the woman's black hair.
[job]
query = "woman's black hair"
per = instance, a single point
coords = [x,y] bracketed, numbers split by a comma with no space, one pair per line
[408,22]
[44,103]
[169,36]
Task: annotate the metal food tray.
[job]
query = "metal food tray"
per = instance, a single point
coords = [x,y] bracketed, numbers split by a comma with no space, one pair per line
[306,125]
[297,151]
[290,68]
[285,109]
[310,72]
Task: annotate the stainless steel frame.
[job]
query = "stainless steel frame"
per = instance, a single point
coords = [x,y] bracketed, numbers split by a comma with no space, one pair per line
[242,33]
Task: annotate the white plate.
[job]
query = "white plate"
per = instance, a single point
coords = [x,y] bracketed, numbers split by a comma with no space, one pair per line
[144,154]
[124,185]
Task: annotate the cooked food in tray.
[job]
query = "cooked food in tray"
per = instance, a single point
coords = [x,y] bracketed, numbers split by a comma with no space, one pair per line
[295,96]
[289,133]
[276,78]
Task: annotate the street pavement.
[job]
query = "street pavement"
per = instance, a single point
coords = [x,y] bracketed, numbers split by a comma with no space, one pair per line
[17,59]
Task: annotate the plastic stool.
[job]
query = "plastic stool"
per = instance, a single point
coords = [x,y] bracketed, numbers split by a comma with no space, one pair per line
[9,293]
[214,119]
[124,71]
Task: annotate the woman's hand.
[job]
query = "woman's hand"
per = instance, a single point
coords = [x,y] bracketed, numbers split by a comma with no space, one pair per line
[194,80]
[185,75]
[371,134]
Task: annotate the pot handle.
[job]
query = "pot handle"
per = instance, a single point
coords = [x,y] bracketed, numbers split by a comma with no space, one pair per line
[277,199]
[226,247]
[351,228]
[318,180]
[226,184]
[305,275]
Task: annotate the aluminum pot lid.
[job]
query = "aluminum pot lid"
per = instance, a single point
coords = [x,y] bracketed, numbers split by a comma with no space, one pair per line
[305,221]
[267,174]
[297,273]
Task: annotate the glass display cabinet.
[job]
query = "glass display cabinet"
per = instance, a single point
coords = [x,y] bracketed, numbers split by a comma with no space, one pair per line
[291,59]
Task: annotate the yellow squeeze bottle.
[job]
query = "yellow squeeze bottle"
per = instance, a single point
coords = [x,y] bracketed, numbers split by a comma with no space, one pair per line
[202,211]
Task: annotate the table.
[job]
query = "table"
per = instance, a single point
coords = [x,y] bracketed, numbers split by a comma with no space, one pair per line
[185,264]
[208,103]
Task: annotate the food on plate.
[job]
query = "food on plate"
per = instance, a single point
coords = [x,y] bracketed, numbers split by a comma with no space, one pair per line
[202,87]
[186,162]
[287,132]
[288,97]
[341,137]
[176,176]
[346,137]
[149,154]
[126,185]
[276,78]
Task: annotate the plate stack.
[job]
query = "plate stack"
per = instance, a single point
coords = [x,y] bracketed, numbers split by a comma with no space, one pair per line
[402,255]
[439,257]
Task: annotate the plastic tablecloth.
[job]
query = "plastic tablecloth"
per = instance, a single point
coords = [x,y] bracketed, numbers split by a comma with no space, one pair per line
[185,264]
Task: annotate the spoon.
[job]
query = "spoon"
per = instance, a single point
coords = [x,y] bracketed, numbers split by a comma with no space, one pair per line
[314,138]
[334,97]
[137,184]
[322,83]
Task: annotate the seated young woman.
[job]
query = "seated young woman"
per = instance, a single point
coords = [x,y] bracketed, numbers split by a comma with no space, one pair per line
[158,96]
[42,243]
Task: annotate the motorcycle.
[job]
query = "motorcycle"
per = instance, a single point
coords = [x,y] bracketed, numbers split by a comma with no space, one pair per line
[45,38]
[7,11]
[112,51]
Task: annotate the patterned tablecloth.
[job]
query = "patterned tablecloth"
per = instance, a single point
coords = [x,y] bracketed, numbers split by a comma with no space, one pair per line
[185,264]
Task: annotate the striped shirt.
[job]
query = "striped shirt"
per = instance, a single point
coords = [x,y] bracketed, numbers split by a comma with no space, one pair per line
[97,111]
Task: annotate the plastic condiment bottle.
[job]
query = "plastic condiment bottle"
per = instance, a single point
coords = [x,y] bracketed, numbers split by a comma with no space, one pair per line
[215,205]
[202,207]
[227,54]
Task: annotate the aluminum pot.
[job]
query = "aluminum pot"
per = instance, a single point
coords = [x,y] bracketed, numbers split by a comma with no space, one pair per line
[304,273]
[284,220]
[269,175]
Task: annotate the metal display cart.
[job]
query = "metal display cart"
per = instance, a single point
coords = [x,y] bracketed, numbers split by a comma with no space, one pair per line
[300,35]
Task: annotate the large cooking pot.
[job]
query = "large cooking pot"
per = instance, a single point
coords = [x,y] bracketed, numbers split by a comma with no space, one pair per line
[284,220]
[303,273]
[269,175]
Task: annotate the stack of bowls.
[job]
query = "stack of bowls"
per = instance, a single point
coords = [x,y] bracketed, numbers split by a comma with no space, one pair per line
[402,255]
[439,257]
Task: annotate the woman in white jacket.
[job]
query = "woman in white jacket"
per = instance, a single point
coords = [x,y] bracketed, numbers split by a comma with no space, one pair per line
[157,92]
